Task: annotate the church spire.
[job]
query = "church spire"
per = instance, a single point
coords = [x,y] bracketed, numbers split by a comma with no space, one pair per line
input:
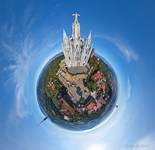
[64,34]
[76,36]
[89,35]
[88,40]
[76,51]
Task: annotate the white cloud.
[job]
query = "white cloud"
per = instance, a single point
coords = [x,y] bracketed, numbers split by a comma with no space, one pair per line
[126,50]
[128,88]
[8,28]
[95,146]
[21,57]
[21,52]
[21,46]
[125,99]
[146,143]
[27,13]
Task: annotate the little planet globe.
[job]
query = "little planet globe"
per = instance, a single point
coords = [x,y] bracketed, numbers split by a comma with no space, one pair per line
[77,89]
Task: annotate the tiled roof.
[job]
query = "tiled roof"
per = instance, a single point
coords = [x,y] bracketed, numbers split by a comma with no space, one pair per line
[91,105]
[53,86]
[97,76]
[103,87]
[99,104]
[66,106]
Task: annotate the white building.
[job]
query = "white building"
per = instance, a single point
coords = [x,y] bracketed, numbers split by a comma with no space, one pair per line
[76,52]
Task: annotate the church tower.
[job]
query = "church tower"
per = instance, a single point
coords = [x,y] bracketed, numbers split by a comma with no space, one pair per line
[76,52]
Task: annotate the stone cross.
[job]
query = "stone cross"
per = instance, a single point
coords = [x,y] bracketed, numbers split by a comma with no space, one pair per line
[75,16]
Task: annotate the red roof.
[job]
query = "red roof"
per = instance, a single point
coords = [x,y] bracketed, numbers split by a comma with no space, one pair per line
[53,86]
[99,104]
[104,102]
[98,72]
[94,108]
[103,86]
[91,105]
[97,76]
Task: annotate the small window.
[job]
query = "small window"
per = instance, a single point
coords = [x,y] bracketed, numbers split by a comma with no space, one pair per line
[69,57]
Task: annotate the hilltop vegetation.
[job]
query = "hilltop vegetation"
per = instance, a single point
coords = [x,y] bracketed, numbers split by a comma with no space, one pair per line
[47,95]
[91,84]
[49,87]
[103,68]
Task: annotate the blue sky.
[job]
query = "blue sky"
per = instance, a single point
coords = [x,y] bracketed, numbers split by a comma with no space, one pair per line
[123,32]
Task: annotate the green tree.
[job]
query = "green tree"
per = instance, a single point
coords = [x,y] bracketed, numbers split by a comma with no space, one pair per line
[90,60]
[56,91]
[82,99]
[94,66]
[49,91]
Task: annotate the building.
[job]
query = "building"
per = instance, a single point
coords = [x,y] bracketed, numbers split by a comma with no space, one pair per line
[90,104]
[53,86]
[103,87]
[99,104]
[92,53]
[66,118]
[76,52]
[104,79]
[97,76]
[62,64]
[98,58]
[98,82]
[66,105]
[59,95]
[57,71]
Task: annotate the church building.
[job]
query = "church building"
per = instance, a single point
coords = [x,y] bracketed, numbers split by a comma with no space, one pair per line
[76,52]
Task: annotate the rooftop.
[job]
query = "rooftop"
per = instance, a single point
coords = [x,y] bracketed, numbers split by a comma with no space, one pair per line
[91,105]
[99,104]
[67,106]
[97,76]
[79,69]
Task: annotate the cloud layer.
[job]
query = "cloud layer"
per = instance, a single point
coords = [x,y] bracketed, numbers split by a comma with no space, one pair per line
[21,48]
[128,53]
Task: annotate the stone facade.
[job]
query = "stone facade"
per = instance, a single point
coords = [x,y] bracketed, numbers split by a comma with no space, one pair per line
[92,53]
[76,52]
[75,70]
